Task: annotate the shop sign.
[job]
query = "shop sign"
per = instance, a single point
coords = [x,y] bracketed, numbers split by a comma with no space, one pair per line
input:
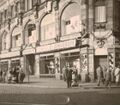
[101,51]
[57,46]
[10,54]
[29,51]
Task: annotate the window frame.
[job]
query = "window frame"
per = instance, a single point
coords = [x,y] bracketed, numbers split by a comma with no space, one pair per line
[100,6]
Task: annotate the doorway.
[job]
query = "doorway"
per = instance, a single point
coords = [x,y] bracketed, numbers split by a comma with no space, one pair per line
[30,64]
[99,60]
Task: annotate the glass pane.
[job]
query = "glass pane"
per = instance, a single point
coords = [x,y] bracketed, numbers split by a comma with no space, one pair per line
[100,14]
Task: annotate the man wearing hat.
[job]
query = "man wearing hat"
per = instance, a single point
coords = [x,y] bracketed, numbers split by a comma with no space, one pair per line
[68,73]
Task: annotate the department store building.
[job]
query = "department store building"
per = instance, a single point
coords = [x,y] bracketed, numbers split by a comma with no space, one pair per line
[45,35]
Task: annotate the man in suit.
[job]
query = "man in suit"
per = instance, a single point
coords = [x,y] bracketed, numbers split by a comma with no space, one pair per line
[68,73]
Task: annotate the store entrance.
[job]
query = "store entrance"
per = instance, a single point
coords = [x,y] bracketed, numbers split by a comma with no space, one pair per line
[99,60]
[30,64]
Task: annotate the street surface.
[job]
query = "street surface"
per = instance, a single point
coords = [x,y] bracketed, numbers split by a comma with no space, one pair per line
[18,95]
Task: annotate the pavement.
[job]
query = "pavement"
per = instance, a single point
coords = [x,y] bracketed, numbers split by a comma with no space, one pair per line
[55,83]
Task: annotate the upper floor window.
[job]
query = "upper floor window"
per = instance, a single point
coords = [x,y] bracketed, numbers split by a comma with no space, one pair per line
[48,27]
[100,14]
[4,41]
[41,1]
[5,14]
[16,37]
[100,11]
[28,4]
[16,40]
[17,7]
[31,33]
[1,17]
[71,20]
[12,11]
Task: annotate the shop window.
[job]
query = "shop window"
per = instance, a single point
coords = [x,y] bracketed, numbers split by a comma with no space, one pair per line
[48,27]
[4,66]
[47,65]
[15,63]
[71,20]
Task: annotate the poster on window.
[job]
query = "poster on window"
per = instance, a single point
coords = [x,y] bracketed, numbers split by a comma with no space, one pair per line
[74,25]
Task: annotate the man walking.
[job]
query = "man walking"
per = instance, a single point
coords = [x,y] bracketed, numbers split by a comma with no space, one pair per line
[99,75]
[68,73]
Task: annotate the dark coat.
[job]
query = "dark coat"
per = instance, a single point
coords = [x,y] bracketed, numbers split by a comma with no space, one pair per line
[69,73]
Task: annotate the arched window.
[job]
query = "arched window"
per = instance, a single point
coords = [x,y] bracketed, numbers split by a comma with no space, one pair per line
[30,33]
[48,27]
[71,19]
[16,37]
[4,41]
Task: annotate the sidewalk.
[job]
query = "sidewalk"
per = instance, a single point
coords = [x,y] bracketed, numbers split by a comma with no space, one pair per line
[55,83]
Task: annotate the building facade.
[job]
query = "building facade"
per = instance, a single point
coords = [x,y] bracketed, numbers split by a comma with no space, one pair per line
[43,35]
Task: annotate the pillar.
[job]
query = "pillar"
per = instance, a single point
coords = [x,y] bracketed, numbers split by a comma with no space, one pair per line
[84,64]
[57,24]
[37,65]
[37,30]
[91,64]
[9,64]
[22,62]
[57,66]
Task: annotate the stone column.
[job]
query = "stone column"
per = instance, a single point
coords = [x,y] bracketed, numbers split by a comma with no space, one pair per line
[90,15]
[84,61]
[91,64]
[37,30]
[37,65]
[57,25]
[9,64]
[57,66]
[22,63]
[9,41]
[22,35]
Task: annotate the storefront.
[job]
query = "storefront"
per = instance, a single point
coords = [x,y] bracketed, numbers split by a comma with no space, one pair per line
[47,66]
[15,63]
[71,58]
[4,65]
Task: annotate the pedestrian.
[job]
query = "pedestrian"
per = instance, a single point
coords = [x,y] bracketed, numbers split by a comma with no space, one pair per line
[68,73]
[117,75]
[108,78]
[15,74]
[21,75]
[74,76]
[9,75]
[4,75]
[104,69]
[99,75]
